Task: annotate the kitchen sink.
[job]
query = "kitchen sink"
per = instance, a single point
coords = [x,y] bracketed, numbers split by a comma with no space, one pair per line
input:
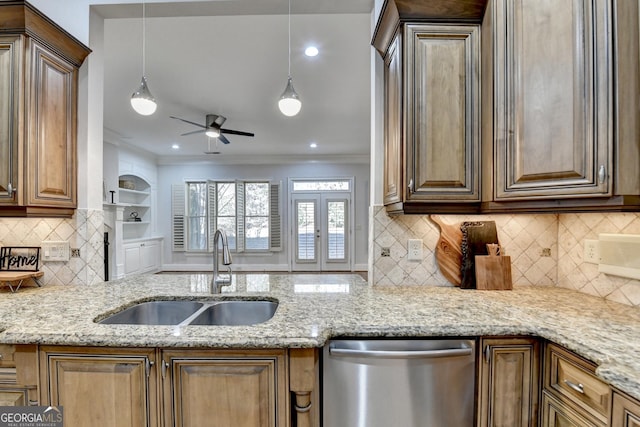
[154,313]
[223,313]
[232,313]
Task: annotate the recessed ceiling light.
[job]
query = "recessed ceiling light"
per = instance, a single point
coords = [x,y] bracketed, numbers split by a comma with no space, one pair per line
[313,145]
[175,147]
[311,51]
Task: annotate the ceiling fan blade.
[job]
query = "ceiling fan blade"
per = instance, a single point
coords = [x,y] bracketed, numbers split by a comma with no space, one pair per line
[236,132]
[192,132]
[223,139]
[187,121]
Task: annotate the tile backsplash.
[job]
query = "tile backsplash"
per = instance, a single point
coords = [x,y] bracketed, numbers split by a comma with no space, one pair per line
[84,231]
[545,250]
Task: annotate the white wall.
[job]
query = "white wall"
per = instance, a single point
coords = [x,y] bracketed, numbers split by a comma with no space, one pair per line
[175,174]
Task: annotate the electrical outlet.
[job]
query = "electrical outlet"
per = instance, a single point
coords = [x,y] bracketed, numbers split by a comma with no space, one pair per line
[414,249]
[591,251]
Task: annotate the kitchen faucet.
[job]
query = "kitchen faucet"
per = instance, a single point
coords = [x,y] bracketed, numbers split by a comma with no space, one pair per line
[218,282]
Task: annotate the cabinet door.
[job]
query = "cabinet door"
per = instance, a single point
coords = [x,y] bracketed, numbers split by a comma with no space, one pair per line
[442,112]
[508,382]
[393,164]
[552,87]
[100,387]
[51,122]
[225,389]
[10,103]
[149,255]
[625,411]
[132,261]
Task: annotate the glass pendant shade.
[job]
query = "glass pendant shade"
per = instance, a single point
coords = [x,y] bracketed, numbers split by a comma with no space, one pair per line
[289,102]
[142,101]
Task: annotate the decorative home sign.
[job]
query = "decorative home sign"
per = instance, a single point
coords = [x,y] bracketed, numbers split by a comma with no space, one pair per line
[19,258]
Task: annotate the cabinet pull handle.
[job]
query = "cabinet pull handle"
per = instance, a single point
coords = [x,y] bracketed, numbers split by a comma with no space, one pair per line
[602,174]
[149,365]
[411,185]
[165,366]
[487,353]
[10,190]
[577,387]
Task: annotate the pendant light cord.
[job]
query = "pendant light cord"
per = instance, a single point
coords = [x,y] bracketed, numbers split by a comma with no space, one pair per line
[289,38]
[143,40]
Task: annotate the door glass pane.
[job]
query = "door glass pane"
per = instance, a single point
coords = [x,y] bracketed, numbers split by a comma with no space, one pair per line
[305,212]
[336,230]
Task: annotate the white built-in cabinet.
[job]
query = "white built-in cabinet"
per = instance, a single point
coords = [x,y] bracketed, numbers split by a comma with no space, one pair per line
[142,256]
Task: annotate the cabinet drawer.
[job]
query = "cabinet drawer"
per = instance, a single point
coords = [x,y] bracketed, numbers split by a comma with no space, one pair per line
[555,414]
[571,378]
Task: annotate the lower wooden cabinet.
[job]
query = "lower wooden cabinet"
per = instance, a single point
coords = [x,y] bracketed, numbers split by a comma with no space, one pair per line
[625,411]
[100,387]
[508,372]
[115,387]
[225,388]
[572,382]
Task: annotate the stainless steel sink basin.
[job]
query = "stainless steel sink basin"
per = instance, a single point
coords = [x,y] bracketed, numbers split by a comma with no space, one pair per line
[234,313]
[155,313]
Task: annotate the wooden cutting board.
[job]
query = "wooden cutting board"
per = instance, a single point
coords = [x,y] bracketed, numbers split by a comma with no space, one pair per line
[475,236]
[448,250]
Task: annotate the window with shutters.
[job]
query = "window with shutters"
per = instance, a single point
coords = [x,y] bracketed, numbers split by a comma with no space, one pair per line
[248,212]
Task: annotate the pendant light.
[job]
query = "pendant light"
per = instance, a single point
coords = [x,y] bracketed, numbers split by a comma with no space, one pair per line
[289,102]
[142,101]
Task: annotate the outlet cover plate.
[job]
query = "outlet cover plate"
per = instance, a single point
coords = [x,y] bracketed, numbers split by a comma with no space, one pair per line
[414,250]
[591,251]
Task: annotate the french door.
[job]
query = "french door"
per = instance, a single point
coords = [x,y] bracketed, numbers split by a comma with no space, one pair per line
[321,232]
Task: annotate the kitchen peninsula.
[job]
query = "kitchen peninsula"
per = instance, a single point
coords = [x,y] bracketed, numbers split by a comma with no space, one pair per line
[314,308]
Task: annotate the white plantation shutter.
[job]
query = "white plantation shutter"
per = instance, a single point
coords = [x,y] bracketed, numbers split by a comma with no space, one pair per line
[178,217]
[275,216]
[240,216]
[211,212]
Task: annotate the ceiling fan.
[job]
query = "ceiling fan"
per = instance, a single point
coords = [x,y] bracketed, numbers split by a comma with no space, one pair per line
[213,128]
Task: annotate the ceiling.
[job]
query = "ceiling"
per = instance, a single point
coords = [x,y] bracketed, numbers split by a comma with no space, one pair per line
[230,58]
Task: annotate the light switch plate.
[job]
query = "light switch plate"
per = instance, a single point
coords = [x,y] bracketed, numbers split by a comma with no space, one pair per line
[620,255]
[55,251]
[414,250]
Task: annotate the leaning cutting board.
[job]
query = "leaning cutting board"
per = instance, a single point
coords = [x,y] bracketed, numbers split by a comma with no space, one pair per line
[448,250]
[475,236]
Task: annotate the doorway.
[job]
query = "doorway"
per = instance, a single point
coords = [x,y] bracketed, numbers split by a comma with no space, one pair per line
[321,228]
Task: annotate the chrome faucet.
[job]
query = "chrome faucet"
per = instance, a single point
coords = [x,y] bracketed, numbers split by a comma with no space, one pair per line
[217,281]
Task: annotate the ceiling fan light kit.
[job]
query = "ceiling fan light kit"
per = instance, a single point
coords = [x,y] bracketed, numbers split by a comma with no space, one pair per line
[142,101]
[289,103]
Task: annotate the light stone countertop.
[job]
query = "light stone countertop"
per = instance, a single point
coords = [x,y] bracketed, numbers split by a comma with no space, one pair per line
[313,308]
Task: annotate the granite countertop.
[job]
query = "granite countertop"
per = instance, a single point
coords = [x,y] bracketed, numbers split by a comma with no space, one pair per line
[314,308]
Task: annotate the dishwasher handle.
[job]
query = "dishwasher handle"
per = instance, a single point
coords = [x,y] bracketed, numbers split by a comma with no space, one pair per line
[401,354]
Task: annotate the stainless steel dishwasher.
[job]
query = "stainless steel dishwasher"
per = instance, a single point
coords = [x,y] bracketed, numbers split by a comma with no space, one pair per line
[403,383]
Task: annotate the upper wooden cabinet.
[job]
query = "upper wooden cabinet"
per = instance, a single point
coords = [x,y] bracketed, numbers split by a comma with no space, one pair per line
[432,126]
[560,74]
[552,125]
[38,101]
